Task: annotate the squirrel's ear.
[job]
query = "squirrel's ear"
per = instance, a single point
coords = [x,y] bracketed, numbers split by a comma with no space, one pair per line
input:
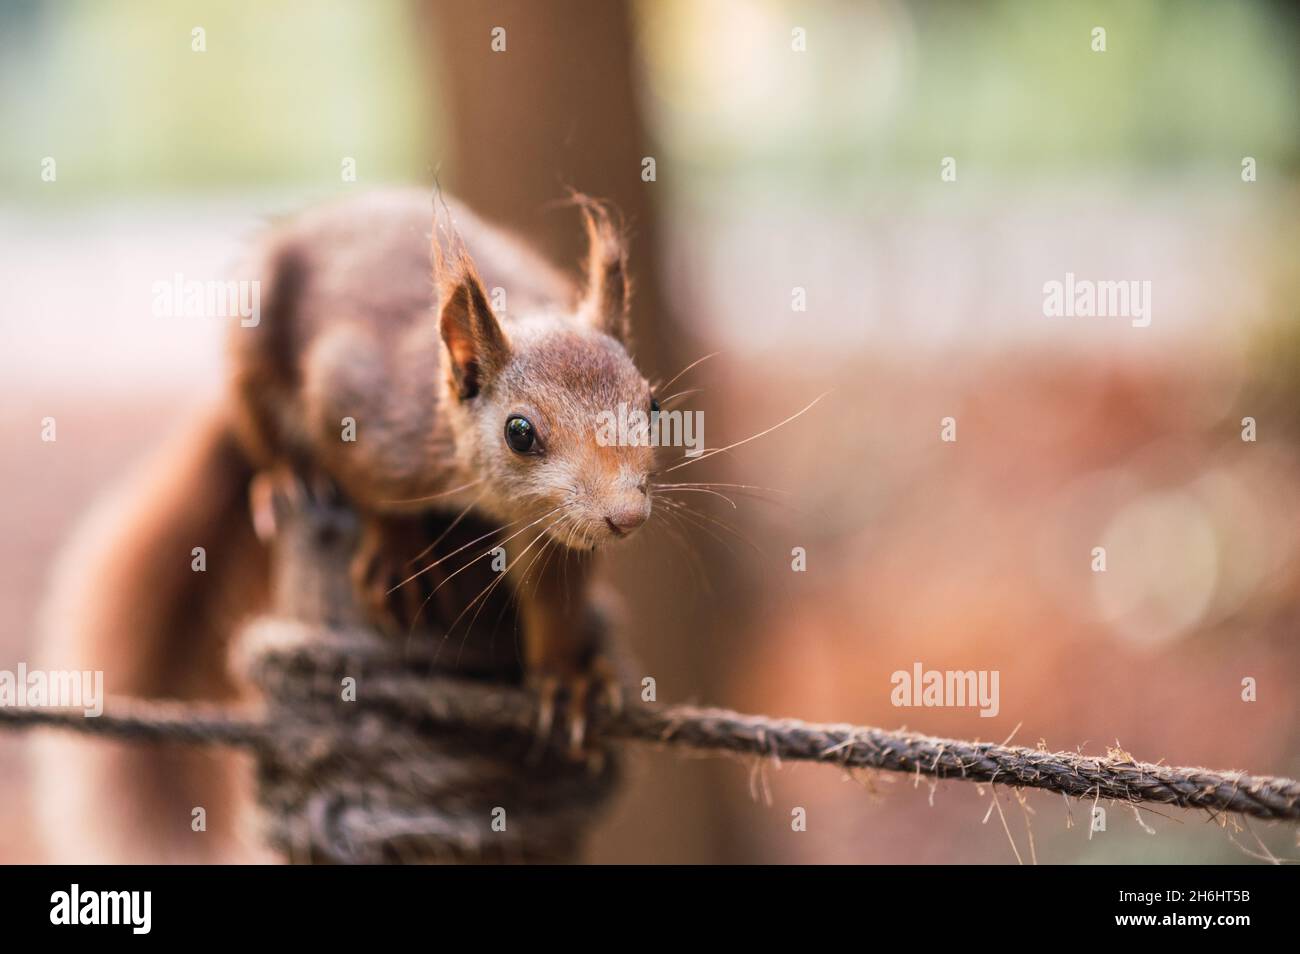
[609,290]
[476,344]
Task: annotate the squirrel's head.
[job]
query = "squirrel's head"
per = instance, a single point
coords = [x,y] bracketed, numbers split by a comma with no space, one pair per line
[535,404]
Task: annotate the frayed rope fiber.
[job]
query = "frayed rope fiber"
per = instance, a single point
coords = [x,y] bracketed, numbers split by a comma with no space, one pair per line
[302,674]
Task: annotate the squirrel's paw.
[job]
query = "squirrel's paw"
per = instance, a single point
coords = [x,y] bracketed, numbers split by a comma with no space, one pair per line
[568,698]
[391,593]
[376,577]
[281,500]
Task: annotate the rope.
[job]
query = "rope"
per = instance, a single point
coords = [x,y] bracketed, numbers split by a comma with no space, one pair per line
[308,727]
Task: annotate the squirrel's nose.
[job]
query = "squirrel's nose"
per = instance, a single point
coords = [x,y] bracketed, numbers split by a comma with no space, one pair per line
[627,517]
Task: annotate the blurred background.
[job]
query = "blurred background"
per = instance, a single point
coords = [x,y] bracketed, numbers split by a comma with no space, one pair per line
[784,160]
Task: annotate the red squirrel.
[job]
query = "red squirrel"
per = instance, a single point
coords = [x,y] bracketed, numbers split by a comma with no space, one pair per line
[454,406]
[388,364]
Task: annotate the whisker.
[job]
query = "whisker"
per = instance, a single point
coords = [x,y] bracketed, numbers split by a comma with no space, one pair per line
[668,488]
[749,491]
[559,522]
[466,546]
[485,594]
[545,547]
[680,539]
[481,599]
[488,551]
[450,527]
[664,402]
[682,507]
[710,483]
[556,540]
[734,493]
[693,518]
[447,579]
[444,493]
[694,364]
[706,456]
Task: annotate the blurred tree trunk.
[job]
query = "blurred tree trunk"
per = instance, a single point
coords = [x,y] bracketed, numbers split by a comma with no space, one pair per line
[559,107]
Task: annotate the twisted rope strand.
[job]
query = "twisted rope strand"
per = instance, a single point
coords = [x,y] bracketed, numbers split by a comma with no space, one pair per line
[462,703]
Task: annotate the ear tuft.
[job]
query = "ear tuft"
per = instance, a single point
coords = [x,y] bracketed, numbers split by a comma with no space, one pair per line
[606,303]
[477,346]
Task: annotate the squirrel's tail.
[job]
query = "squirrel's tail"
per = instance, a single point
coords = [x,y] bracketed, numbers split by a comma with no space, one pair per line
[149,592]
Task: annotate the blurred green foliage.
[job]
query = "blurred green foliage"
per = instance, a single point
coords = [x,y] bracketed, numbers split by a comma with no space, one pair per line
[116,94]
[1012,87]
[113,90]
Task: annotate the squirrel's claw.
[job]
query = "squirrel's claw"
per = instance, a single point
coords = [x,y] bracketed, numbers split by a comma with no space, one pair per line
[579,697]
[568,698]
[280,494]
[547,690]
[272,494]
[605,676]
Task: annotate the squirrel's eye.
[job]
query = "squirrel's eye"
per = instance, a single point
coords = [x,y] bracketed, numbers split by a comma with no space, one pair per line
[520,434]
[654,405]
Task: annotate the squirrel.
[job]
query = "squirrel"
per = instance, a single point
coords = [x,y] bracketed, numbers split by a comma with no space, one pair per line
[382,368]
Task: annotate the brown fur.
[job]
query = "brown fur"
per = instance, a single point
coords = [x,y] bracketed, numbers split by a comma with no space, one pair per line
[125,601]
